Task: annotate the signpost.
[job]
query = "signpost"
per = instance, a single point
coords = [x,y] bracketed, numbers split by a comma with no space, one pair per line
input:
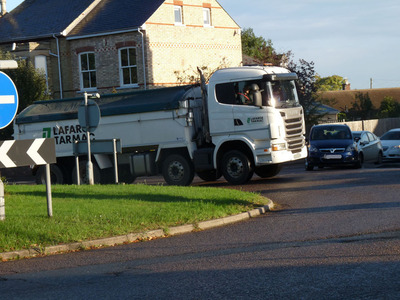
[8,100]
[24,153]
[89,117]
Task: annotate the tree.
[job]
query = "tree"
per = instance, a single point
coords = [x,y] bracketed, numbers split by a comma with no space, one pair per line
[330,83]
[30,84]
[389,108]
[260,49]
[307,90]
[192,76]
[362,108]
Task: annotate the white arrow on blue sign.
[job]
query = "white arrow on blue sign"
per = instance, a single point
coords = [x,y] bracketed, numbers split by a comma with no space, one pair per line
[8,100]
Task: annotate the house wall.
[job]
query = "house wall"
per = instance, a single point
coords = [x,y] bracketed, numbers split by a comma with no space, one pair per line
[170,51]
[177,50]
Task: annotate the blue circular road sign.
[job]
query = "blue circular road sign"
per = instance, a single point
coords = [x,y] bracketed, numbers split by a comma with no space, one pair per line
[8,100]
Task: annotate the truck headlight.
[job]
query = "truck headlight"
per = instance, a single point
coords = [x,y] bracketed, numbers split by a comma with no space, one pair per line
[278,147]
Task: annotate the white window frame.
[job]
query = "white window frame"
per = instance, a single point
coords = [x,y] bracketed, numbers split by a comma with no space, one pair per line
[178,11]
[207,17]
[129,66]
[81,72]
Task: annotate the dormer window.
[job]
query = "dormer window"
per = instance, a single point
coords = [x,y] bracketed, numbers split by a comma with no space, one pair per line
[178,15]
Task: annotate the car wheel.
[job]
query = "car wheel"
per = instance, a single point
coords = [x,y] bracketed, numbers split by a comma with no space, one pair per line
[309,167]
[380,158]
[360,161]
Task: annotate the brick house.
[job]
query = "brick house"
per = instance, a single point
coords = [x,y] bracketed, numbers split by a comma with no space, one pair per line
[120,45]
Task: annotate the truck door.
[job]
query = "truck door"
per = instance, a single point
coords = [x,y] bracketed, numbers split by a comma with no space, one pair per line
[247,114]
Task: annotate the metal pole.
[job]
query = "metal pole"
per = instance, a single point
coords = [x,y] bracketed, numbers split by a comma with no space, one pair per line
[89,168]
[48,192]
[2,202]
[115,160]
[78,175]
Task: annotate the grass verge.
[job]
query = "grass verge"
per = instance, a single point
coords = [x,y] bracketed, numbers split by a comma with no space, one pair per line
[89,212]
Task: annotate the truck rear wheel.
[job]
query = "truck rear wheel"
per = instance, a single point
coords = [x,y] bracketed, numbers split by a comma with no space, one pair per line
[56,175]
[268,170]
[177,170]
[236,167]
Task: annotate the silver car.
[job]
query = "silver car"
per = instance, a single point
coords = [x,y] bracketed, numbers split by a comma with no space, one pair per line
[391,144]
[369,146]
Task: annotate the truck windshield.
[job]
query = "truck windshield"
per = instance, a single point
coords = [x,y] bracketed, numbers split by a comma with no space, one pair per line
[282,94]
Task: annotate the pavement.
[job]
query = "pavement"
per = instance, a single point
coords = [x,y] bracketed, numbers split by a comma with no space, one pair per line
[133,237]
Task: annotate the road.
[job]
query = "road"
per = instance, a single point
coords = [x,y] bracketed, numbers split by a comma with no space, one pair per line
[335,235]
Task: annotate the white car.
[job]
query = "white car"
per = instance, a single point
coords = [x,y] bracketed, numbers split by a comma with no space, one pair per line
[391,144]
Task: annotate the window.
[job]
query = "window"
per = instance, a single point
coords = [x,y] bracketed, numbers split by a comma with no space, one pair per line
[41,66]
[178,15]
[88,70]
[128,67]
[241,92]
[206,16]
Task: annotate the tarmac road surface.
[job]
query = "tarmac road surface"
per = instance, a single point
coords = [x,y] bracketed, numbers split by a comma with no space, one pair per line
[335,235]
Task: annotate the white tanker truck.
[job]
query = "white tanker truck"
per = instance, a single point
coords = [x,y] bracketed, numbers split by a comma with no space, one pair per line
[246,120]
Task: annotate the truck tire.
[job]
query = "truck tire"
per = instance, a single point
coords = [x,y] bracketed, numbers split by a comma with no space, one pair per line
[210,175]
[177,170]
[268,170]
[236,167]
[56,175]
[82,173]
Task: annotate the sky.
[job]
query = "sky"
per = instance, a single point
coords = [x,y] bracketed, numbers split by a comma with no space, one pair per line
[356,39]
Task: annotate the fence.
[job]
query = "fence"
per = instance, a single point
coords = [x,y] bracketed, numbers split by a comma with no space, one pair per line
[377,126]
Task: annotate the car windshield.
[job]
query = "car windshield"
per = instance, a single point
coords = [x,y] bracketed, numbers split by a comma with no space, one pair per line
[391,135]
[330,133]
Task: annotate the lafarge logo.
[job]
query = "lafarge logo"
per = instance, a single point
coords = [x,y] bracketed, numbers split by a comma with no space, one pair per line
[255,120]
[65,134]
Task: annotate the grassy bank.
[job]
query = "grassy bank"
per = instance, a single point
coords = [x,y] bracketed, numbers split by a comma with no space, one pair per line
[90,212]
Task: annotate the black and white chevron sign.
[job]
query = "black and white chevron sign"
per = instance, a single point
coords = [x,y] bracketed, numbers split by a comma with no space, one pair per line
[27,152]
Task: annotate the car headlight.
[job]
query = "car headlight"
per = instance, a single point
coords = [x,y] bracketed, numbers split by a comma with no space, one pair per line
[351,148]
[312,149]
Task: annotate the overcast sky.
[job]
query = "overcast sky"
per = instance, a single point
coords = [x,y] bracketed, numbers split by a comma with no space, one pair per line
[356,39]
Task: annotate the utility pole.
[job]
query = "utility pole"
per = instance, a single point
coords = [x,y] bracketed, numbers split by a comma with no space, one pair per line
[370,83]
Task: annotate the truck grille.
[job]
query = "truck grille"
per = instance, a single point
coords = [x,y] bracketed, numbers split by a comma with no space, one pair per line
[294,133]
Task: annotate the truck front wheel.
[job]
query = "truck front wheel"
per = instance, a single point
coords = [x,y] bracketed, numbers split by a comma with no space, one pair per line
[177,170]
[236,167]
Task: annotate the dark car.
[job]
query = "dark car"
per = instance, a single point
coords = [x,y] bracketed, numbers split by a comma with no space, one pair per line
[332,145]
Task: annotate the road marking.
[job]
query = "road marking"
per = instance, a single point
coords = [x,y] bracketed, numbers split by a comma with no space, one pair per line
[4,158]
[7,99]
[33,152]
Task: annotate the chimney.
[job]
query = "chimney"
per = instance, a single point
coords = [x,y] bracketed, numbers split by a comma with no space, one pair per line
[346,85]
[3,8]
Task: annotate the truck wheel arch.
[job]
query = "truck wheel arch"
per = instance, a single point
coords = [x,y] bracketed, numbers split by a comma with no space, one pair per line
[229,145]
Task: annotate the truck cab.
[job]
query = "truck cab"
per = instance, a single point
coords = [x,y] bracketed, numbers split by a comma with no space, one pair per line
[256,111]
